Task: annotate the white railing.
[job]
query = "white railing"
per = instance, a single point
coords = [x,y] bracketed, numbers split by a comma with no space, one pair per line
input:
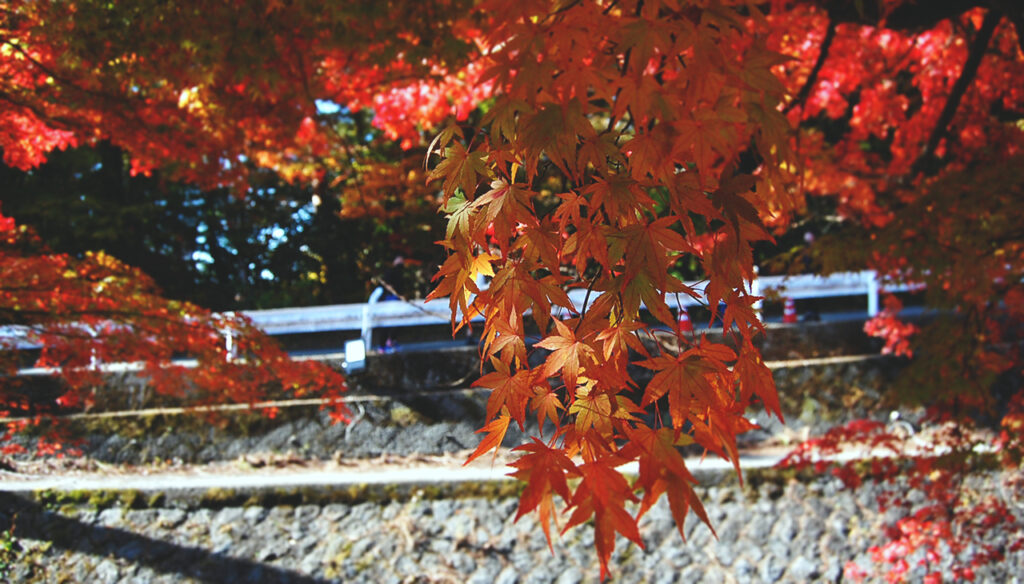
[394,313]
[364,317]
[17,337]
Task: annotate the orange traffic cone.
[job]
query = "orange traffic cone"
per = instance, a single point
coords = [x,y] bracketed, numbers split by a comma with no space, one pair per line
[789,312]
[685,325]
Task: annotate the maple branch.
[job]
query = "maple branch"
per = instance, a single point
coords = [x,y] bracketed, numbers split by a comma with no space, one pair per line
[51,72]
[565,8]
[303,72]
[126,112]
[812,78]
[60,121]
[927,162]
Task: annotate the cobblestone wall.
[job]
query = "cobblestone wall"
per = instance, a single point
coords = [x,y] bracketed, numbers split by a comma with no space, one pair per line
[780,532]
[437,422]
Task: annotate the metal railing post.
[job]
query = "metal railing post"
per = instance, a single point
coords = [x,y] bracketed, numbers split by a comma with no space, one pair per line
[229,339]
[367,329]
[871,279]
[94,360]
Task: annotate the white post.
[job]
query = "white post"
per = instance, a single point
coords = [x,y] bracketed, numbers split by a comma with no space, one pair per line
[229,344]
[94,360]
[229,339]
[871,279]
[367,331]
[755,290]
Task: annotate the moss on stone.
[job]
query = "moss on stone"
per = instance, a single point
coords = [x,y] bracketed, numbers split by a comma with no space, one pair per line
[403,416]
[69,502]
[333,569]
[217,498]
[53,499]
[754,479]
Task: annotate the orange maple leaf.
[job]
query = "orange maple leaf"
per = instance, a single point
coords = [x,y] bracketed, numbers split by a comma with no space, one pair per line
[567,354]
[592,410]
[621,337]
[460,168]
[739,309]
[548,404]
[508,391]
[662,469]
[756,378]
[495,431]
[545,471]
[679,377]
[504,335]
[603,493]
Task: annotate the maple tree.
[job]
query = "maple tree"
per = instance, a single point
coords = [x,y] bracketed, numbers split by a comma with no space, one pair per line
[914,134]
[599,146]
[85,312]
[644,140]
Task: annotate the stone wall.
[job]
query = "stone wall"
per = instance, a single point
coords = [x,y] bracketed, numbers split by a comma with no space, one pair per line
[440,420]
[779,531]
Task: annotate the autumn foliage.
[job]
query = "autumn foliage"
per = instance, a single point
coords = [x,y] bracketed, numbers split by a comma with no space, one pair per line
[586,145]
[85,312]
